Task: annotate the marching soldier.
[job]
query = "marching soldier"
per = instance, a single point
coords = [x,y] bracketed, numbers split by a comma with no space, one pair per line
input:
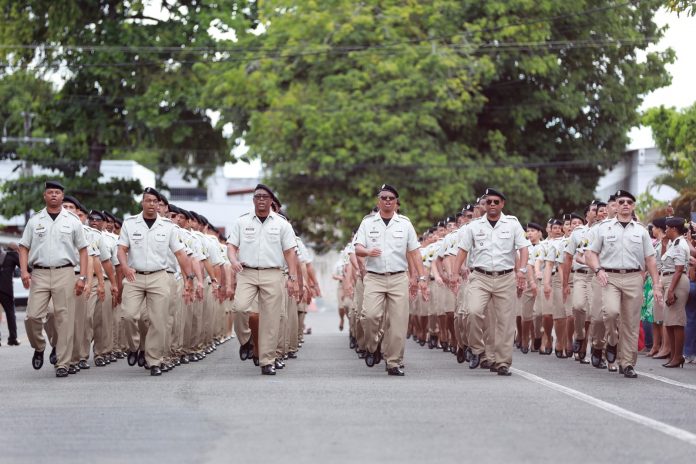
[53,242]
[259,246]
[493,241]
[143,245]
[618,253]
[385,239]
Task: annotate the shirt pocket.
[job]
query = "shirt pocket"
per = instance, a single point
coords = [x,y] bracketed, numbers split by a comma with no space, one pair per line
[635,244]
[161,241]
[274,234]
[65,233]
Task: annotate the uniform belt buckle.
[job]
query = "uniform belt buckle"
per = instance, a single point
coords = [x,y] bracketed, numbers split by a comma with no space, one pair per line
[622,271]
[495,273]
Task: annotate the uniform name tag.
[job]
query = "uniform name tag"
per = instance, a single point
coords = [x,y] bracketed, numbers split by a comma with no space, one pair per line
[398,234]
[373,233]
[611,238]
[137,235]
[505,234]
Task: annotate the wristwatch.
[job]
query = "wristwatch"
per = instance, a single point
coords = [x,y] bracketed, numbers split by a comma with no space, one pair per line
[422,278]
[292,278]
[83,278]
[190,276]
[523,270]
[596,271]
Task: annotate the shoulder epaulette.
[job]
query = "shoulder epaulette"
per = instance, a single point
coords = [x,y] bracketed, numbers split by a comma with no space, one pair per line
[404,217]
[245,214]
[131,218]
[676,242]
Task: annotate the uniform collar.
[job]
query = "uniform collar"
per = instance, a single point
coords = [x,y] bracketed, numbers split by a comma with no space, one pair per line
[271,215]
[140,218]
[377,218]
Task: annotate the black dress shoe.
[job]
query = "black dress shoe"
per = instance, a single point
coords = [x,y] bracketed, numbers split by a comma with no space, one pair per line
[268,370]
[504,370]
[99,362]
[53,358]
[132,358]
[164,367]
[141,358]
[72,369]
[524,349]
[421,342]
[474,361]
[107,360]
[13,342]
[292,355]
[370,359]
[629,372]
[611,354]
[352,343]
[395,371]
[155,370]
[61,372]
[279,364]
[537,344]
[432,343]
[362,354]
[445,346]
[486,364]
[83,364]
[111,358]
[37,360]
[461,355]
[577,344]
[184,359]
[192,357]
[613,368]
[596,357]
[256,361]
[378,353]
[467,354]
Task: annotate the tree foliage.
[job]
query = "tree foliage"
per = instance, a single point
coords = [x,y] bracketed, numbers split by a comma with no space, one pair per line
[675,134]
[440,98]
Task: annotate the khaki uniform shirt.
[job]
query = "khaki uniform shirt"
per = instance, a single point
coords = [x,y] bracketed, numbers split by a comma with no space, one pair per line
[262,244]
[148,247]
[621,247]
[395,240]
[494,249]
[677,254]
[53,243]
[577,242]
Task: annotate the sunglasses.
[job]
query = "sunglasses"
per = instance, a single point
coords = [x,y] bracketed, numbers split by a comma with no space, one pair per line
[262,197]
[492,202]
[387,198]
[625,202]
[469,216]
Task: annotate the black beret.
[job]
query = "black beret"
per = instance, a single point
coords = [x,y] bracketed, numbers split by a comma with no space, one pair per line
[203,220]
[550,221]
[152,191]
[267,189]
[73,200]
[450,219]
[277,201]
[194,216]
[83,208]
[468,207]
[96,215]
[566,217]
[678,223]
[441,224]
[54,184]
[108,216]
[577,216]
[478,200]
[555,222]
[491,191]
[624,193]
[534,225]
[388,188]
[595,202]
[458,215]
[118,221]
[173,208]
[611,198]
[163,199]
[660,223]
[601,204]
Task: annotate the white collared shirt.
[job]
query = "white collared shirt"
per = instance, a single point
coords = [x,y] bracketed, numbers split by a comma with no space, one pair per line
[53,243]
[262,244]
[677,254]
[494,249]
[395,240]
[148,247]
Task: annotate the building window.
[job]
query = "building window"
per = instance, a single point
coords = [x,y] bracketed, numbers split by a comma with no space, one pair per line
[188,194]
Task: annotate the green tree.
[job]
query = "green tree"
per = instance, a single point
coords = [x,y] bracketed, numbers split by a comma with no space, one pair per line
[675,135]
[125,82]
[440,98]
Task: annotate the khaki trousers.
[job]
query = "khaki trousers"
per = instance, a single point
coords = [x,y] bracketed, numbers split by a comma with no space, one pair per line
[83,320]
[500,292]
[119,335]
[597,329]
[179,316]
[147,294]
[293,320]
[359,308]
[56,285]
[171,307]
[241,326]
[623,297]
[103,323]
[386,297]
[268,286]
[187,322]
[282,346]
[197,321]
[207,317]
[581,296]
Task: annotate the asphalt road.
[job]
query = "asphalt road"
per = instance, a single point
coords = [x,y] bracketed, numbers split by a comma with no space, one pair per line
[327,406]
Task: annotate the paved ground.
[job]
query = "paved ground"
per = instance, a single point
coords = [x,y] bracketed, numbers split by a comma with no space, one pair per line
[327,406]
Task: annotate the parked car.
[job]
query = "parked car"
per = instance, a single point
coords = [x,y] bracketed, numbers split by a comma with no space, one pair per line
[21,294]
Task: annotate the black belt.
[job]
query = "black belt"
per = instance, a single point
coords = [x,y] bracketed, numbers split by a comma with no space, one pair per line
[493,273]
[668,273]
[386,274]
[52,268]
[622,271]
[148,272]
[581,271]
[259,268]
[171,272]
